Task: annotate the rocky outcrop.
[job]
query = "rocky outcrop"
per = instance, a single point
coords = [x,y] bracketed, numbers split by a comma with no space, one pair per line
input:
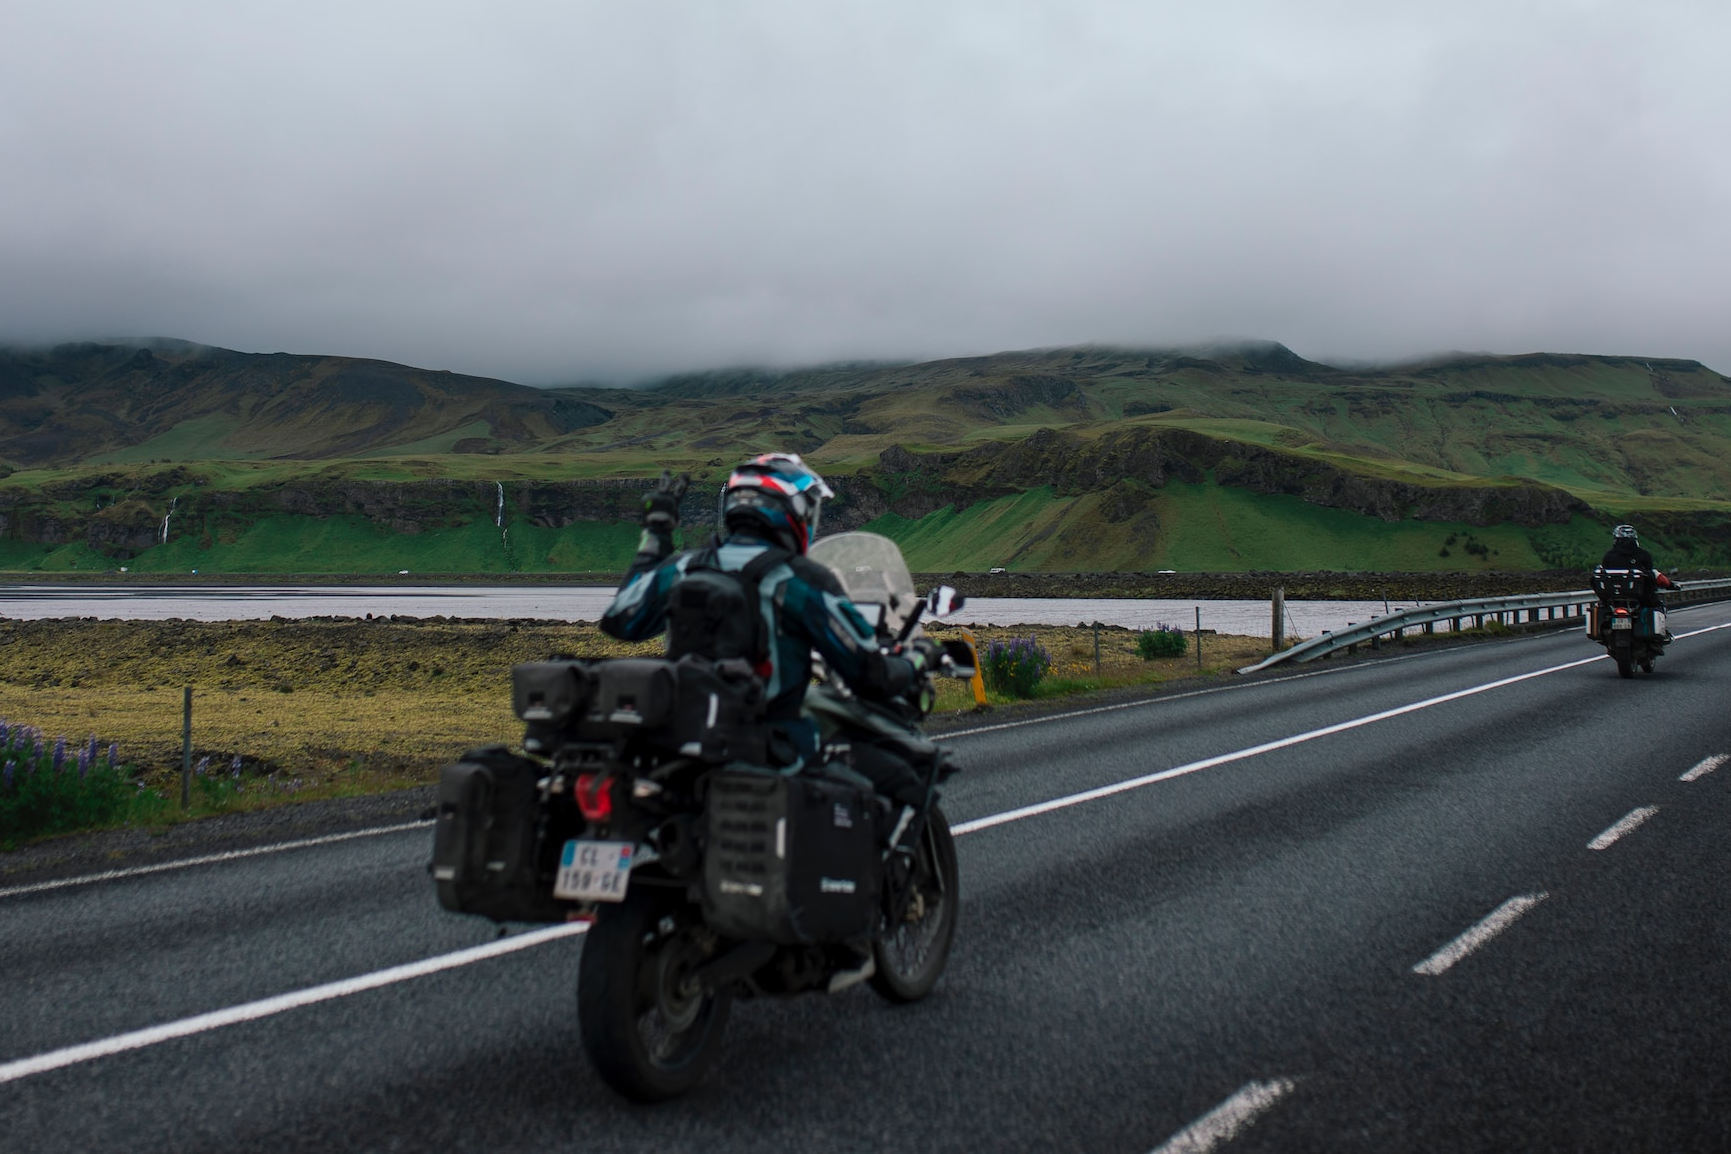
[123,528]
[915,485]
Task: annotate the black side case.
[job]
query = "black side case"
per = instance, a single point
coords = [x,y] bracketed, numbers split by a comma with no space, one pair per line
[488,852]
[791,859]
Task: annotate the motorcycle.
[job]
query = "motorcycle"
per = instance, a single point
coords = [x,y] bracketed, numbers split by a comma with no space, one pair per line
[647,802]
[1632,631]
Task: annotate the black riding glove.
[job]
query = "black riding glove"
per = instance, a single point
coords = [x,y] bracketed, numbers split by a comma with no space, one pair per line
[661,505]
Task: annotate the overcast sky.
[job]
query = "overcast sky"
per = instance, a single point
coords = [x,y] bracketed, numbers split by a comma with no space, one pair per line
[551,191]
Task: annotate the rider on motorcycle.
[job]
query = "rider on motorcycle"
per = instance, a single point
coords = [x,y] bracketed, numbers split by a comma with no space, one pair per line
[1626,553]
[770,508]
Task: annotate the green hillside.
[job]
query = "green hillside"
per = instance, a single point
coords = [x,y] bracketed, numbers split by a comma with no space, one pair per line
[1217,529]
[1238,458]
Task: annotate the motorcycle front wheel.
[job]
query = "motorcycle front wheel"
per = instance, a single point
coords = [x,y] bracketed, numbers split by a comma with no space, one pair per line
[911,954]
[649,1032]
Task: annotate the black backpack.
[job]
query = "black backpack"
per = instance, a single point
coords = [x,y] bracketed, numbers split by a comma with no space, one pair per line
[713,612]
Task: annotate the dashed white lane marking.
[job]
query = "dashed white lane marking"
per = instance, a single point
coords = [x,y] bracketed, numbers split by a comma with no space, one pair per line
[1223,1123]
[1629,821]
[1088,795]
[216,1019]
[208,859]
[1705,766]
[1493,924]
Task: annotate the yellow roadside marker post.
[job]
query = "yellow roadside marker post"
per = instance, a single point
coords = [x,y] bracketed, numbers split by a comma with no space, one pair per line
[979,681]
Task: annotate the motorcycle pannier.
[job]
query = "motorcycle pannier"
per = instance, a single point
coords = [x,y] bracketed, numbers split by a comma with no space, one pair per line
[486,841]
[790,859]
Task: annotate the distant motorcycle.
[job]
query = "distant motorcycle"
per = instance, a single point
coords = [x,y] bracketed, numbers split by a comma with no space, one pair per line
[649,805]
[1632,630]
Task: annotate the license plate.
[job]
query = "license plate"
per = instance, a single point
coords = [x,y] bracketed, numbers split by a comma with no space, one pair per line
[1623,623]
[594,871]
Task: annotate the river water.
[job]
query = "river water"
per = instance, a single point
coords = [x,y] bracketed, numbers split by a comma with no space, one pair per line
[586,603]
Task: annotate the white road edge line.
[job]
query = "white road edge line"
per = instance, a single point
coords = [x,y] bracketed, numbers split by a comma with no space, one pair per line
[208,859]
[1493,924]
[1223,1123]
[1027,811]
[264,1008]
[1630,820]
[1705,766]
[1151,701]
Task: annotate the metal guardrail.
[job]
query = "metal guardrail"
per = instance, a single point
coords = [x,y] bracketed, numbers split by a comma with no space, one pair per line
[1562,607]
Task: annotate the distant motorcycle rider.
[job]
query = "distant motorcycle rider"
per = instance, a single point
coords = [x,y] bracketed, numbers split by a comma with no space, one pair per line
[1626,553]
[770,509]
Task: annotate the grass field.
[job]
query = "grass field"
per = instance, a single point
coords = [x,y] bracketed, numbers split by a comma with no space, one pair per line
[327,708]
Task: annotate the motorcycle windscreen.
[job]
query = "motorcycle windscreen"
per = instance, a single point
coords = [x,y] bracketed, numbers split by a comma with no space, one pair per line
[872,571]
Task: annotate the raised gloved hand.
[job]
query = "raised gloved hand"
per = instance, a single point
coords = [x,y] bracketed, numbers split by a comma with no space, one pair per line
[661,504]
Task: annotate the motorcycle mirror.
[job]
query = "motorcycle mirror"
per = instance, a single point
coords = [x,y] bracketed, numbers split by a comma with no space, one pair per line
[943,601]
[958,658]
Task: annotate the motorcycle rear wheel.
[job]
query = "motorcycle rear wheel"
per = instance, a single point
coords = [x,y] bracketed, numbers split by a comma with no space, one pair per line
[648,1037]
[911,956]
[1625,665]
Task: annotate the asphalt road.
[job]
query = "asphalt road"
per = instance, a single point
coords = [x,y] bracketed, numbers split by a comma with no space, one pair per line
[1278,944]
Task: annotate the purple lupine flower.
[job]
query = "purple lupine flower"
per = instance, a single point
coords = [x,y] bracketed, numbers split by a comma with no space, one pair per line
[113,755]
[10,771]
[234,766]
[36,750]
[203,764]
[5,731]
[60,755]
[83,764]
[92,748]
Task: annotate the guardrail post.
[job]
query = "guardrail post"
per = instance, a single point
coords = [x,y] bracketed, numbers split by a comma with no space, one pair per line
[1278,632]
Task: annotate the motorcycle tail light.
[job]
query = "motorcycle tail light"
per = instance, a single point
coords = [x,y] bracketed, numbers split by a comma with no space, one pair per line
[594,796]
[1622,613]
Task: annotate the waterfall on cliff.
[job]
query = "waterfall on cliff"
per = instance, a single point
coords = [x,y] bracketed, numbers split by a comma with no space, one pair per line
[164,534]
[504,533]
